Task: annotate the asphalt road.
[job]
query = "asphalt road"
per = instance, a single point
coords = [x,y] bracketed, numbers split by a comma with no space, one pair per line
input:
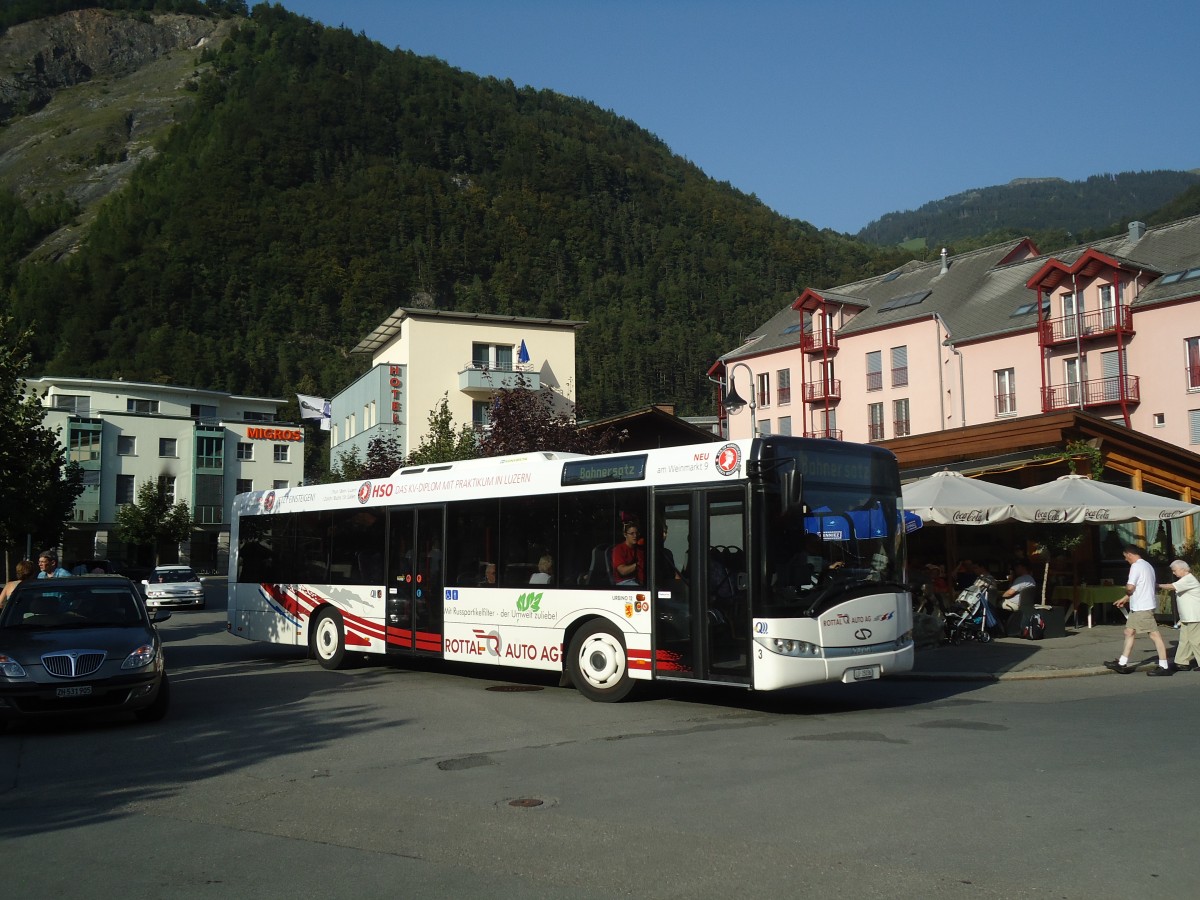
[271,777]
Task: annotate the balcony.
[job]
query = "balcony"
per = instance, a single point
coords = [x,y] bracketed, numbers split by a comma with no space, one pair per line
[1094,392]
[1088,325]
[833,434]
[818,342]
[902,427]
[475,380]
[823,390]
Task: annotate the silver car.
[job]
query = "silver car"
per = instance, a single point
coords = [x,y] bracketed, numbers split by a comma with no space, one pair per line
[174,586]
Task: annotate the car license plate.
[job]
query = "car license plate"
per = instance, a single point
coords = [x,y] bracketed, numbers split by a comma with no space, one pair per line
[865,673]
[81,690]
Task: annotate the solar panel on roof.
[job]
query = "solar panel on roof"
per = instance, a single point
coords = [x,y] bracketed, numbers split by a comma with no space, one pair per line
[906,300]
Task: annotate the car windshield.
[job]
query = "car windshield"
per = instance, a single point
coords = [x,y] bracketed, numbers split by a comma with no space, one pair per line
[173,576]
[67,606]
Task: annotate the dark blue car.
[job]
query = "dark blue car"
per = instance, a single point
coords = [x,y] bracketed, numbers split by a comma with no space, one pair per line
[80,645]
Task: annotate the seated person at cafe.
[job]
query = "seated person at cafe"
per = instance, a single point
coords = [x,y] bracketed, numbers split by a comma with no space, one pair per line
[1022,582]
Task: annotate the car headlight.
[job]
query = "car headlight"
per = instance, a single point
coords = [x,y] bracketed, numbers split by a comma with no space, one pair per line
[10,668]
[786,647]
[139,658]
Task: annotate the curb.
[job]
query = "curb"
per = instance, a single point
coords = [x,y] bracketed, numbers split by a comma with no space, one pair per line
[1034,675]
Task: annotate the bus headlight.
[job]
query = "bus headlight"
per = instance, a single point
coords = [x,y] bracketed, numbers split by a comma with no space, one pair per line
[787,647]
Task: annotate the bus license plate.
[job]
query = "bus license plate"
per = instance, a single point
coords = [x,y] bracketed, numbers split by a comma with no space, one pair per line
[865,673]
[82,690]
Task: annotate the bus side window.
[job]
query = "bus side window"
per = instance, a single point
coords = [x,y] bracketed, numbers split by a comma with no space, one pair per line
[472,529]
[590,526]
[528,530]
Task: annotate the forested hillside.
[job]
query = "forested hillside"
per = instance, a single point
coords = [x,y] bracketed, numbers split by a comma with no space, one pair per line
[1100,205]
[320,180]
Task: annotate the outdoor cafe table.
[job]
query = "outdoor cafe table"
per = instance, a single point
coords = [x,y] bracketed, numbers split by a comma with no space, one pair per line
[1102,595]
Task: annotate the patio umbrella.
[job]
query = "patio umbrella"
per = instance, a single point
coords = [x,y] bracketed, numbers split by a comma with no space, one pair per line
[950,498]
[1077,498]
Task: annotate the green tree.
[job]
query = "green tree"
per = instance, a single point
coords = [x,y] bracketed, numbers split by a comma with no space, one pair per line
[153,520]
[443,443]
[38,486]
[384,456]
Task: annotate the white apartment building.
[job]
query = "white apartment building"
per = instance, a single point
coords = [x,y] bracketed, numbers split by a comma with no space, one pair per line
[419,355]
[203,447]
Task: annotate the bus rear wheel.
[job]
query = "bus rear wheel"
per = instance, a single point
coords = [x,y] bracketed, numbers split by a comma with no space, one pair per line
[597,663]
[328,640]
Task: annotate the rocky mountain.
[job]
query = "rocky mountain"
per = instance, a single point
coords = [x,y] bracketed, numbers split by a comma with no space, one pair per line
[83,98]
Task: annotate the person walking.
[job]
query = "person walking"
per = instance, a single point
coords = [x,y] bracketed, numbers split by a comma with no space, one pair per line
[1141,599]
[1187,608]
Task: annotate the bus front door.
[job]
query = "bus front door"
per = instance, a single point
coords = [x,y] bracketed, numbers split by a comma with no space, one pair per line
[701,618]
[415,580]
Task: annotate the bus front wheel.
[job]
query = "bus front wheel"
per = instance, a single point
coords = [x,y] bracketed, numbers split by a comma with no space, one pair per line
[597,662]
[329,640]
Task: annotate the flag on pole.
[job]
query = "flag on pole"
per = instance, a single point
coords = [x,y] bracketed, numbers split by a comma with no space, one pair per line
[315,408]
[523,353]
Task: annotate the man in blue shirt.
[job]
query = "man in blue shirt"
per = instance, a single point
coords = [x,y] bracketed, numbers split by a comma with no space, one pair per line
[48,563]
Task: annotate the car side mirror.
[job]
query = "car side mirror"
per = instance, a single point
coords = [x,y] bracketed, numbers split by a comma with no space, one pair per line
[160,615]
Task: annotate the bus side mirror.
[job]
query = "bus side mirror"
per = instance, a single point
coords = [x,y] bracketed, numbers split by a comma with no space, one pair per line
[791,485]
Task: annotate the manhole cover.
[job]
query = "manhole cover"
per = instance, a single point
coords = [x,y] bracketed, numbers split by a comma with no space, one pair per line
[514,688]
[525,802]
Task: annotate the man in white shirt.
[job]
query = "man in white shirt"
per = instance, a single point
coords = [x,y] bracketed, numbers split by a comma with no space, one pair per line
[1142,601]
[1187,608]
[1022,581]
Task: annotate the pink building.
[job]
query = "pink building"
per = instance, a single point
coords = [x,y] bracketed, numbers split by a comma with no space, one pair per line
[1111,329]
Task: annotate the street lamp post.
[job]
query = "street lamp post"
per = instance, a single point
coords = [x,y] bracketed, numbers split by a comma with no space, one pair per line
[734,401]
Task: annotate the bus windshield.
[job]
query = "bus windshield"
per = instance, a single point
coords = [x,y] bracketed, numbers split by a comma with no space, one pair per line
[845,535]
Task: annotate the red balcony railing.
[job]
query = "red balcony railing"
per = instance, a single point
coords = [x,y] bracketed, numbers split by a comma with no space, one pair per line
[784,394]
[902,427]
[874,381]
[814,342]
[900,376]
[821,390]
[875,431]
[1088,326]
[832,433]
[1006,404]
[1193,377]
[1094,392]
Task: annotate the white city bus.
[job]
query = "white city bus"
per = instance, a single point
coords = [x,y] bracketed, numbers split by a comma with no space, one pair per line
[767,563]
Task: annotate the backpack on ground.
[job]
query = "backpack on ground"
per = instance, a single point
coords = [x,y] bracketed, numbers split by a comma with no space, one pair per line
[1034,628]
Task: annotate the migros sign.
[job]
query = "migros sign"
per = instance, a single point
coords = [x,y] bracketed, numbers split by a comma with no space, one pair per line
[274,434]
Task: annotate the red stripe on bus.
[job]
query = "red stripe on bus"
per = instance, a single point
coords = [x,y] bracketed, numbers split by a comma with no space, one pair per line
[429,641]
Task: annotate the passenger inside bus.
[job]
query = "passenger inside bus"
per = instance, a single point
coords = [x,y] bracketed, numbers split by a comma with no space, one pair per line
[545,570]
[629,558]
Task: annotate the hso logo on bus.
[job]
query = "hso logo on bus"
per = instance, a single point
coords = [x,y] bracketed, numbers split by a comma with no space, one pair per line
[728,458]
[269,501]
[367,490]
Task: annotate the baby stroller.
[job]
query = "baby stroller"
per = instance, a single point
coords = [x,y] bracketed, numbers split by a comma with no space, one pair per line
[972,619]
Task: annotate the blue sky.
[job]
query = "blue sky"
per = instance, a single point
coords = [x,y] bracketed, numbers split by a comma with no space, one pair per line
[838,112]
